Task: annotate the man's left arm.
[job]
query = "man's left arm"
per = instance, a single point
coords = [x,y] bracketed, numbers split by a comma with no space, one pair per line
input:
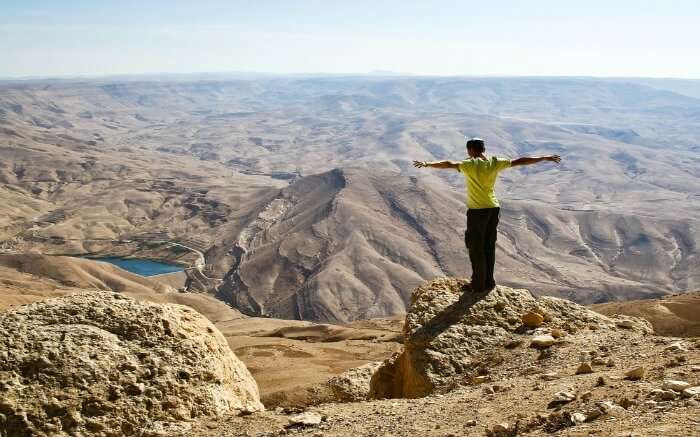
[527,160]
[437,164]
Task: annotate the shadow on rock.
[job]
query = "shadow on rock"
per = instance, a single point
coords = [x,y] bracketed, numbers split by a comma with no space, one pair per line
[448,317]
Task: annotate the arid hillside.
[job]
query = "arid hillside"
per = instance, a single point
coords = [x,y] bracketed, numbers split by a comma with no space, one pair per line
[677,315]
[299,195]
[349,244]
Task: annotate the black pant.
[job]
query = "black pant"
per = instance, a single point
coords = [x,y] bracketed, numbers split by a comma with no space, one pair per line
[480,238]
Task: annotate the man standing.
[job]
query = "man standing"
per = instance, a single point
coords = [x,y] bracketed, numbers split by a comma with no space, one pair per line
[483,209]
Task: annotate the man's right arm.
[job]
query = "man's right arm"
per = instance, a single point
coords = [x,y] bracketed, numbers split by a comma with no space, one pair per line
[437,164]
[526,160]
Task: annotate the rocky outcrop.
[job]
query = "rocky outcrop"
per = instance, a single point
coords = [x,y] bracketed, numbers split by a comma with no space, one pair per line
[102,363]
[353,384]
[450,332]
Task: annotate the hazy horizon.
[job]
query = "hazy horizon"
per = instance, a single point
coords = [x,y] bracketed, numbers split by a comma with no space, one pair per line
[77,38]
[320,74]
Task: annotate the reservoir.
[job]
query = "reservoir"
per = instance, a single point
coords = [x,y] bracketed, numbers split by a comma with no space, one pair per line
[143,267]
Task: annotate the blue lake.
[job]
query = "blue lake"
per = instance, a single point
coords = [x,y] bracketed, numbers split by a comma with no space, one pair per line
[143,267]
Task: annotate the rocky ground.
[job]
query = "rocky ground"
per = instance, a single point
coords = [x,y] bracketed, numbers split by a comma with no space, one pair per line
[502,363]
[588,375]
[517,401]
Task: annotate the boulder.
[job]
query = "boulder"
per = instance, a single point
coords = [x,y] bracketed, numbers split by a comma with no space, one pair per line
[563,397]
[532,319]
[558,333]
[625,323]
[691,392]
[99,362]
[353,384]
[447,332]
[636,373]
[307,418]
[611,409]
[674,385]
[677,346]
[584,368]
[542,341]
[663,395]
[578,418]
[499,429]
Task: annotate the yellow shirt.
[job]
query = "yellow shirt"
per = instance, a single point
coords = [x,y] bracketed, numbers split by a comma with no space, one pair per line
[481,175]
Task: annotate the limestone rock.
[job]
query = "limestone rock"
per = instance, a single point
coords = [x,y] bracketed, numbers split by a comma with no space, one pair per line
[664,395]
[563,397]
[611,409]
[500,428]
[677,346]
[578,418]
[633,323]
[532,319]
[584,368]
[307,418]
[675,385]
[558,333]
[636,373]
[542,341]
[603,408]
[625,323]
[102,361]
[353,385]
[691,392]
[447,330]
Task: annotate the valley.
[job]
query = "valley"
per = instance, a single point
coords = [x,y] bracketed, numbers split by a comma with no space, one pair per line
[295,198]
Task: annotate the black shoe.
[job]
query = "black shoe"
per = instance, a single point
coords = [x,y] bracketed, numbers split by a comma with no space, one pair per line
[467,288]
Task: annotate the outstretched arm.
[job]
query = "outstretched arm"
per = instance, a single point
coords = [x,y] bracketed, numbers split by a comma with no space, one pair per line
[437,164]
[525,160]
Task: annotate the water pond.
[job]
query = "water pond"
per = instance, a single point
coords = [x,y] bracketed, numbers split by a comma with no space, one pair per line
[143,267]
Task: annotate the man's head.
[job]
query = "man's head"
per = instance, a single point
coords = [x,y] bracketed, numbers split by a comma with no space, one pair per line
[475,147]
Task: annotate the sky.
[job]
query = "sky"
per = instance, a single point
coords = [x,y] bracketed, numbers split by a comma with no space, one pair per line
[618,38]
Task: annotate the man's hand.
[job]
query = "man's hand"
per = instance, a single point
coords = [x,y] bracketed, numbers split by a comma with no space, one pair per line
[420,164]
[436,164]
[526,160]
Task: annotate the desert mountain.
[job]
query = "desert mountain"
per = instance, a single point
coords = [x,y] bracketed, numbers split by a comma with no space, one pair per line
[351,243]
[344,245]
[184,170]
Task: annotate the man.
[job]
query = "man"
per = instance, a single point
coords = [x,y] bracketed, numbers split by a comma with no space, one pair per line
[483,209]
